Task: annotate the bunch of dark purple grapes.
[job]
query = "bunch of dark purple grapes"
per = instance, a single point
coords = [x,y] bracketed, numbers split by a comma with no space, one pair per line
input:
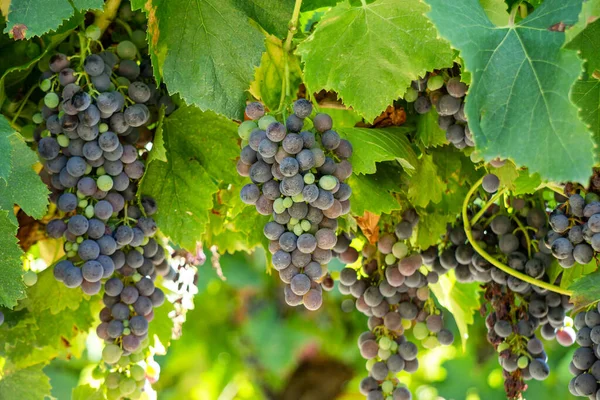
[575,235]
[93,115]
[298,178]
[585,365]
[447,94]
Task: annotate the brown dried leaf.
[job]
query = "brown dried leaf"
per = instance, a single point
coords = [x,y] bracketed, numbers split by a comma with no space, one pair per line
[369,225]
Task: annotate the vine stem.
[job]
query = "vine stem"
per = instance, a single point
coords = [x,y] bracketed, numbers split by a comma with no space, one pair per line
[105,17]
[287,46]
[23,102]
[492,260]
[487,205]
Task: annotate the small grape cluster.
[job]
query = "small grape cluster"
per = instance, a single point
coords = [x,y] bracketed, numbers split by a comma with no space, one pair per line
[575,235]
[585,365]
[90,122]
[298,178]
[447,95]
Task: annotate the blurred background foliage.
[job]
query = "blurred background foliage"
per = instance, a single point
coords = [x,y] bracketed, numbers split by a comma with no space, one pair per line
[241,341]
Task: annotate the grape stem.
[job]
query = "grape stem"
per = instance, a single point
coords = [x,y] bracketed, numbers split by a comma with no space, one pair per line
[487,205]
[287,46]
[105,17]
[492,260]
[23,102]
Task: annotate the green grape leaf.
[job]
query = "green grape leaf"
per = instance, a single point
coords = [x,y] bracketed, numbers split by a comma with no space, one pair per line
[28,18]
[308,5]
[205,53]
[507,174]
[334,54]
[269,76]
[429,132]
[526,184]
[430,228]
[273,16]
[161,328]
[86,392]
[426,185]
[6,131]
[519,97]
[342,117]
[586,95]
[12,287]
[574,273]
[369,194]
[34,200]
[375,145]
[588,44]
[237,232]
[590,11]
[28,383]
[158,151]
[496,11]
[49,288]
[586,290]
[461,299]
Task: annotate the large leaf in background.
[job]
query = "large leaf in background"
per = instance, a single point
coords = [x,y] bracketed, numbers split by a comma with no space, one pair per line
[588,44]
[339,54]
[29,18]
[273,16]
[11,283]
[496,11]
[161,328]
[5,148]
[586,95]
[461,299]
[47,287]
[426,185]
[200,149]
[590,10]
[432,225]
[429,133]
[205,53]
[28,383]
[371,193]
[519,97]
[586,290]
[34,200]
[375,145]
[268,78]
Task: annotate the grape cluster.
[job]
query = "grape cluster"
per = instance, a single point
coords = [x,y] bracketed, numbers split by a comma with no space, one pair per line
[575,235]
[447,95]
[92,117]
[298,178]
[391,290]
[585,365]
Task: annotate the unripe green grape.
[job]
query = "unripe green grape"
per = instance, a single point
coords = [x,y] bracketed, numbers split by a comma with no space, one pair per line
[45,85]
[33,50]
[137,393]
[384,354]
[104,183]
[139,250]
[298,230]
[278,206]
[145,242]
[79,239]
[369,364]
[420,331]
[299,198]
[126,50]
[113,394]
[102,127]
[476,157]
[435,82]
[288,202]
[30,278]
[68,246]
[126,331]
[328,182]
[431,342]
[112,380]
[51,100]
[137,372]
[137,356]
[246,128]
[111,353]
[387,387]
[293,221]
[63,141]
[400,250]
[502,346]
[89,211]
[93,32]
[385,343]
[265,121]
[124,361]
[591,197]
[80,195]
[309,178]
[523,362]
[145,343]
[390,259]
[88,169]
[406,324]
[100,171]
[127,386]
[411,95]
[71,254]
[394,347]
[75,247]
[306,225]
[139,39]
[126,323]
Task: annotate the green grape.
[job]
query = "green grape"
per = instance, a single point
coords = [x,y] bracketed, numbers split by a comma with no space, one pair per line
[113,394]
[137,393]
[137,372]
[278,206]
[112,380]
[328,182]
[294,221]
[591,197]
[370,363]
[265,121]
[400,250]
[75,247]
[139,250]
[102,127]
[30,278]
[80,195]
[309,178]
[145,242]
[299,198]
[28,130]
[111,353]
[406,324]
[288,202]
[139,39]
[105,183]
[79,239]
[246,128]
[51,100]
[411,95]
[435,82]
[502,346]
[126,323]
[100,171]
[89,211]
[63,140]
[385,343]
[137,277]
[420,331]
[45,85]
[431,342]
[122,81]
[126,50]
[71,254]
[145,343]
[93,32]
[97,373]
[298,229]
[33,50]
[88,169]
[68,246]
[384,354]
[390,259]
[137,356]
[306,225]
[523,362]
[127,386]
[387,387]
[124,361]
[394,347]
[126,331]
